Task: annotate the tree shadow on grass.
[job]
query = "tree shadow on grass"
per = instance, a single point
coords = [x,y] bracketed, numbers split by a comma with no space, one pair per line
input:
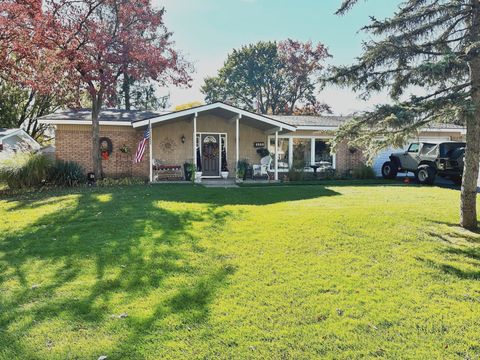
[459,254]
[194,194]
[125,246]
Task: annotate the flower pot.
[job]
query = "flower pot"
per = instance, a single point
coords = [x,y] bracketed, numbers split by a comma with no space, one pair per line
[198,177]
[224,174]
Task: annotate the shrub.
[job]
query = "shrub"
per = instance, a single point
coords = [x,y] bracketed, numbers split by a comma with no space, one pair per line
[363,172]
[243,166]
[66,173]
[121,182]
[24,170]
[296,175]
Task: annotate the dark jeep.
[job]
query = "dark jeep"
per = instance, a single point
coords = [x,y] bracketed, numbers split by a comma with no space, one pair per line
[427,160]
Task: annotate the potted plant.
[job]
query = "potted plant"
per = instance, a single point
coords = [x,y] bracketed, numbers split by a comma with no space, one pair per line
[242,170]
[189,169]
[124,149]
[224,170]
[262,152]
[198,170]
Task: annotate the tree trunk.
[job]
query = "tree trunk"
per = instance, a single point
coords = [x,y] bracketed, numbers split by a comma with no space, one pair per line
[126,91]
[468,209]
[96,157]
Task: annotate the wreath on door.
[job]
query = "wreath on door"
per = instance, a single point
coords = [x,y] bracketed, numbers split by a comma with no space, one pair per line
[106,147]
[210,150]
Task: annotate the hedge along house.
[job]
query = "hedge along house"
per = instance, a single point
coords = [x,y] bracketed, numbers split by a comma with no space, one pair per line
[214,136]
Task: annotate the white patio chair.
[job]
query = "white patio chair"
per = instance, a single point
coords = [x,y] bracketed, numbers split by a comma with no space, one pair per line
[262,169]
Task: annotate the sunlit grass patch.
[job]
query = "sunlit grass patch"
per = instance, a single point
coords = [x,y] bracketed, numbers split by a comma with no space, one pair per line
[184,272]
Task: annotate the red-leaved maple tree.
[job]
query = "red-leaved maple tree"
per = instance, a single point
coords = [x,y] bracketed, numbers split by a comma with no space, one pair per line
[87,45]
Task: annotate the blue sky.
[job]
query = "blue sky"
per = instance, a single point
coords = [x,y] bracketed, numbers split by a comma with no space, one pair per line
[207,30]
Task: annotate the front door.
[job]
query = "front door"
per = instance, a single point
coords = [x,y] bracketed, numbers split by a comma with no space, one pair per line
[210,154]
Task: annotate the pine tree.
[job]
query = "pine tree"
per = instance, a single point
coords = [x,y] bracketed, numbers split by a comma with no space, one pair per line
[432,46]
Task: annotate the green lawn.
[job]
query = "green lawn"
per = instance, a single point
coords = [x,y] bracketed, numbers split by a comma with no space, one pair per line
[290,272]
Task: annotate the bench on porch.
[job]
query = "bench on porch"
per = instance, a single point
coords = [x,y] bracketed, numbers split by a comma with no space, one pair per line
[167,172]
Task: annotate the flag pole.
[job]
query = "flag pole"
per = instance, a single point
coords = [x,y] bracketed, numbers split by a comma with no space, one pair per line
[150,137]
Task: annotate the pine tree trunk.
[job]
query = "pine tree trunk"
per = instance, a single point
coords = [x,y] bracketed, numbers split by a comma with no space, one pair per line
[96,157]
[468,210]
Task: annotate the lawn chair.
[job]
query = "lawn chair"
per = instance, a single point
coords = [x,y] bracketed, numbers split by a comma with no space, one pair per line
[262,169]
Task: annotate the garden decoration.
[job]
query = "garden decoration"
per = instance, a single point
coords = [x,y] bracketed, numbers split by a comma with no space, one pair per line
[106,147]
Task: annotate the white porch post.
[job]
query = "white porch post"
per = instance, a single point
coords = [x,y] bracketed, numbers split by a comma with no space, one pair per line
[290,152]
[150,147]
[237,143]
[195,141]
[276,155]
[312,152]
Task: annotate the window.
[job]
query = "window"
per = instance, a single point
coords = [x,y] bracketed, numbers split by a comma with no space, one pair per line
[305,152]
[282,152]
[322,151]
[429,149]
[302,152]
[414,148]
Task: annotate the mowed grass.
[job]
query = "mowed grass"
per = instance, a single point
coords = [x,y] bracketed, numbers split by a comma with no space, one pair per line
[340,271]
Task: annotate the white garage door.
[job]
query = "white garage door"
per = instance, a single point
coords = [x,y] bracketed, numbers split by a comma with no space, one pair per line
[384,155]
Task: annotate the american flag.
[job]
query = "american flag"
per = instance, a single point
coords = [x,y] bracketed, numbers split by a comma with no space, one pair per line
[142,145]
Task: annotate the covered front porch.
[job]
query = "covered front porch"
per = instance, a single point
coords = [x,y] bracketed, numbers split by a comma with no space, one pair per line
[211,140]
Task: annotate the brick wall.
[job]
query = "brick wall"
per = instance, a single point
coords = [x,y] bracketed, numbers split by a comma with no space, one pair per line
[74,143]
[348,158]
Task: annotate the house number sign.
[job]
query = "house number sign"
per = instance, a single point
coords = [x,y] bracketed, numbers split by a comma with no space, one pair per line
[259,144]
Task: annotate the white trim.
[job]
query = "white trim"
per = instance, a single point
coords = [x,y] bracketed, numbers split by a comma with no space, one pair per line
[312,148]
[14,133]
[237,143]
[195,142]
[220,134]
[317,127]
[216,105]
[23,135]
[85,122]
[276,155]
[150,147]
[290,152]
[287,136]
[461,131]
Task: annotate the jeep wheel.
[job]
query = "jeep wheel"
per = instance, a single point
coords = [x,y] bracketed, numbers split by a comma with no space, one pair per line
[389,170]
[425,175]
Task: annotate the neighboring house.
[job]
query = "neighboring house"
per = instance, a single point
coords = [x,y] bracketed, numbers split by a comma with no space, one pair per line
[207,133]
[17,140]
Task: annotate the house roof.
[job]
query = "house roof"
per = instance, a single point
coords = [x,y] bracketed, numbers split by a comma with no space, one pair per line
[333,122]
[7,132]
[20,133]
[304,120]
[108,116]
[137,118]
[219,108]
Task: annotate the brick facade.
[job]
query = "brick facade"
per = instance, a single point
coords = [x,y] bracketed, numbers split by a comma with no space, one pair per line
[74,143]
[348,158]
